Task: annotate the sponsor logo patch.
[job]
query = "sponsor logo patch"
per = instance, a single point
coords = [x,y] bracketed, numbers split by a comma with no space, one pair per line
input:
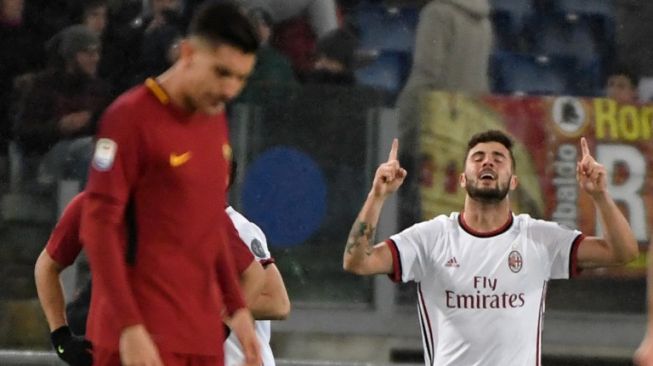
[105,154]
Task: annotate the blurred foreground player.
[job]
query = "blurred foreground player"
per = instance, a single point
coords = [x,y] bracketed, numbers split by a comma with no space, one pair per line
[160,165]
[61,250]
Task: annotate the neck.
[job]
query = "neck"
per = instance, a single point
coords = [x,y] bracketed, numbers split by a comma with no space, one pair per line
[171,82]
[486,217]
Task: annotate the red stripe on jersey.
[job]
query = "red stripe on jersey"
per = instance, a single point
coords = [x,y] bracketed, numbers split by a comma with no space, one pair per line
[267,262]
[395,276]
[428,322]
[500,230]
[538,345]
[574,270]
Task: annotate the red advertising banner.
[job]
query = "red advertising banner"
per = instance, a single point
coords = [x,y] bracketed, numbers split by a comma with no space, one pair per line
[546,131]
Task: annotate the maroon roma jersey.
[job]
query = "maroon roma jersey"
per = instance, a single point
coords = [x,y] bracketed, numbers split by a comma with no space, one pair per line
[64,245]
[163,173]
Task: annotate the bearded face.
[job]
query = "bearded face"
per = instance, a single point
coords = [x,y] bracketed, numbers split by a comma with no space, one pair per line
[480,189]
[488,173]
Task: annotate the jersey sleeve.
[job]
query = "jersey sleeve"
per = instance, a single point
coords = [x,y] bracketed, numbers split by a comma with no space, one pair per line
[241,255]
[113,172]
[64,243]
[560,245]
[226,269]
[411,249]
[258,245]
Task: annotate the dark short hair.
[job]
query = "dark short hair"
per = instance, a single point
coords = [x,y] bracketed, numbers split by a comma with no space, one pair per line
[491,136]
[224,22]
[620,69]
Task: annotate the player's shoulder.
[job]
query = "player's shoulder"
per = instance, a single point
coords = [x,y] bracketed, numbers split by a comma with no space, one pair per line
[242,224]
[543,229]
[435,225]
[136,100]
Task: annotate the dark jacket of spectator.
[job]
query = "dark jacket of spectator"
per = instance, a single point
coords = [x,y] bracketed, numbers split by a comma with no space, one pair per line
[64,101]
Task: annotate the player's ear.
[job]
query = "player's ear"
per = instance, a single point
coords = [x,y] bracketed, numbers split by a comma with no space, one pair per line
[462,180]
[186,51]
[514,182]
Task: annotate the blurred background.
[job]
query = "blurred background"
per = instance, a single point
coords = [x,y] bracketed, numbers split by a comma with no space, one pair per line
[334,82]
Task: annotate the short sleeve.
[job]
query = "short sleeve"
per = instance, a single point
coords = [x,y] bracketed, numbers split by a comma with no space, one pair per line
[239,250]
[64,243]
[411,249]
[560,244]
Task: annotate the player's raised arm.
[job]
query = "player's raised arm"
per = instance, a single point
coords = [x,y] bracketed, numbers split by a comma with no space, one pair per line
[618,245]
[361,256]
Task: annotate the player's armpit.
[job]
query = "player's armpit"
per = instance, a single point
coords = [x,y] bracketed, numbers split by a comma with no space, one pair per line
[596,252]
[378,260]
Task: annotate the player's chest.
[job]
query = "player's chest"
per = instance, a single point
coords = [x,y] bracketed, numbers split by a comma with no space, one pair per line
[489,265]
[188,155]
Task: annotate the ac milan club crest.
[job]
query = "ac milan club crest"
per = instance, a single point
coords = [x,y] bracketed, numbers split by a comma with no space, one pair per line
[515,261]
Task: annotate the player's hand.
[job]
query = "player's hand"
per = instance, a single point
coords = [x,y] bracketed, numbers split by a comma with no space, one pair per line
[74,350]
[242,324]
[644,354]
[390,175]
[137,347]
[591,175]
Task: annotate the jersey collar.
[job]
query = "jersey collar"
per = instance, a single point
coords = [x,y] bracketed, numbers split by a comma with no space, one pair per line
[488,234]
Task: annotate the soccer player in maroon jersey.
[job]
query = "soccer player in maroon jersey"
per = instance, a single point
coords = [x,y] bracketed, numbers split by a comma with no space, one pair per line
[64,246]
[160,167]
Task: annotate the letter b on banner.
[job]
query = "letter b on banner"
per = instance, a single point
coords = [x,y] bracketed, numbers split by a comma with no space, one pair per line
[627,191]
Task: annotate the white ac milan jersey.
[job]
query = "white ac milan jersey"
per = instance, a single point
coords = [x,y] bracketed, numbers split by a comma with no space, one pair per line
[253,236]
[481,295]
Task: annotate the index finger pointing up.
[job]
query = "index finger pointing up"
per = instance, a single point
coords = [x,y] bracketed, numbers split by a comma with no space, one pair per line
[585,150]
[393,151]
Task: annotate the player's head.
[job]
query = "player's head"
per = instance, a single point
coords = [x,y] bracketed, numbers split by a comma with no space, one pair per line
[489,167]
[621,85]
[217,56]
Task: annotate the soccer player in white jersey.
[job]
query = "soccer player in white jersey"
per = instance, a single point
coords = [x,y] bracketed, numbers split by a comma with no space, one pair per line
[482,273]
[272,303]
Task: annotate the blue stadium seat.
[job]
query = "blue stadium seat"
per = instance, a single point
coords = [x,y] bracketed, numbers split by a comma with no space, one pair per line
[514,73]
[386,28]
[518,10]
[506,30]
[604,8]
[388,72]
[560,36]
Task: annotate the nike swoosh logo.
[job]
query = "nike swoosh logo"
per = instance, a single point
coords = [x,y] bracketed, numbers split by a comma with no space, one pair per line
[179,159]
[60,349]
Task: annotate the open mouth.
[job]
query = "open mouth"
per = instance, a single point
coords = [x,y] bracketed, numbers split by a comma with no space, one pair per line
[487,175]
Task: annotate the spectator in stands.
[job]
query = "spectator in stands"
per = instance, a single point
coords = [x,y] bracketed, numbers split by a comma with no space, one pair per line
[94,15]
[139,41]
[161,32]
[273,69]
[58,114]
[298,25]
[21,53]
[633,43]
[621,85]
[335,59]
[452,49]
